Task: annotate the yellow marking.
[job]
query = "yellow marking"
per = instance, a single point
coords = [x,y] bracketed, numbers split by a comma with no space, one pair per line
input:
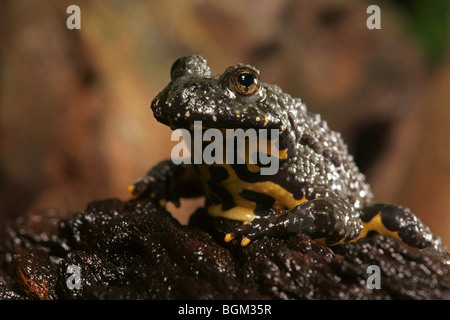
[337,243]
[130,192]
[228,237]
[283,154]
[244,209]
[266,119]
[253,167]
[163,203]
[235,213]
[323,241]
[320,241]
[373,225]
[377,225]
[134,196]
[245,241]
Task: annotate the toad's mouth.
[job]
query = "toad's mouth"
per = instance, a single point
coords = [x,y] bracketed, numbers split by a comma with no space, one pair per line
[213,121]
[273,142]
[177,123]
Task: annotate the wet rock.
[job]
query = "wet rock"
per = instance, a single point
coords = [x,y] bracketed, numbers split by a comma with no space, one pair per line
[137,250]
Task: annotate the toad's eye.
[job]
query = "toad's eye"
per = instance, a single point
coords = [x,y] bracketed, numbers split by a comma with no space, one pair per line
[245,81]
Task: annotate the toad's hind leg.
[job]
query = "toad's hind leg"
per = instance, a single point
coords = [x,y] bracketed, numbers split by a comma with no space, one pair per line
[400,223]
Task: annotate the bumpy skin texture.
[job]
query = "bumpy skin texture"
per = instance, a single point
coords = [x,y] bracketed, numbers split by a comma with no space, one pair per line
[318,190]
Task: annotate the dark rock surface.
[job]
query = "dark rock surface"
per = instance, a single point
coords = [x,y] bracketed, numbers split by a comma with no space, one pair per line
[136,250]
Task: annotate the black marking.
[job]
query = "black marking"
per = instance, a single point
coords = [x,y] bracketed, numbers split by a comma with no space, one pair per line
[282,178]
[410,228]
[263,202]
[399,219]
[226,199]
[244,174]
[393,217]
[369,212]
[218,173]
[334,238]
[371,233]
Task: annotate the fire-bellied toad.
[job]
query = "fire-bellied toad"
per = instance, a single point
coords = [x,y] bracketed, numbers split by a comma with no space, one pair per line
[317,190]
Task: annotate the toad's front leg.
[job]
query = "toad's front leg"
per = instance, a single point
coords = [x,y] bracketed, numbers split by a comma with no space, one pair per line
[329,219]
[168,182]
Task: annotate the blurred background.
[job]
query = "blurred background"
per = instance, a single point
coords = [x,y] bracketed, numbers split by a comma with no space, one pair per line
[75,122]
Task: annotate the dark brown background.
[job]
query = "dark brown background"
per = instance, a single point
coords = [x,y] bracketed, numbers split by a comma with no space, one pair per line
[75,123]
